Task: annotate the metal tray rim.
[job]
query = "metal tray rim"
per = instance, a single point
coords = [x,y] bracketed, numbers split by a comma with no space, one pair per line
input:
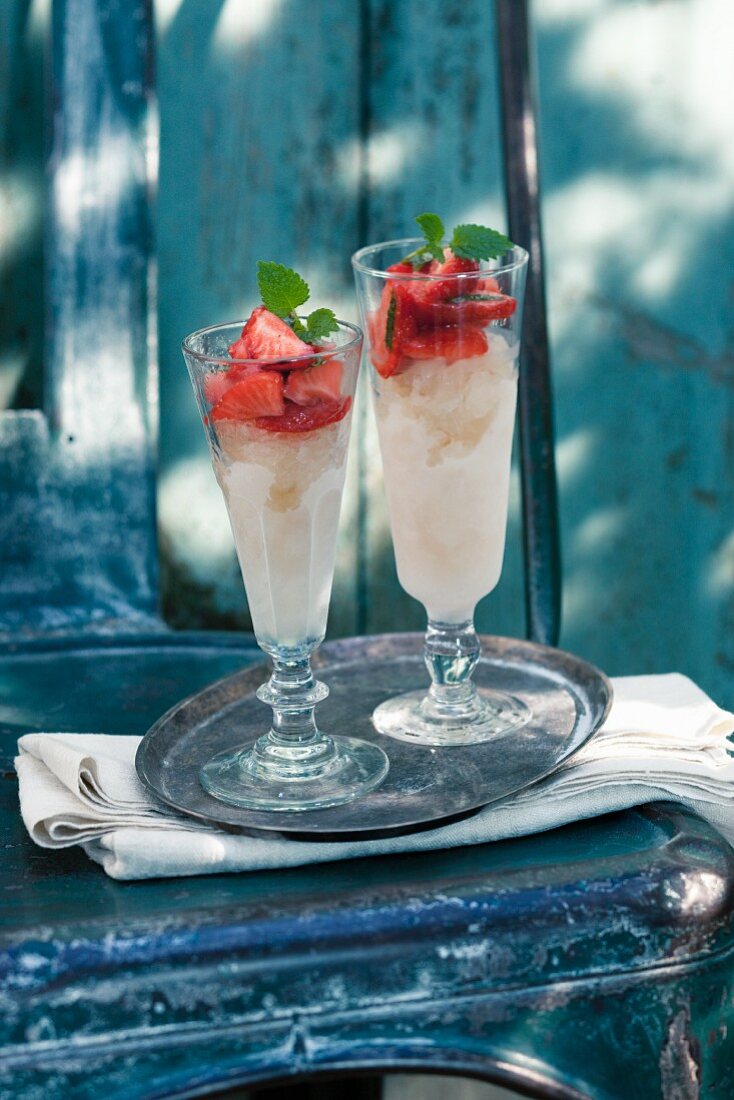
[406,645]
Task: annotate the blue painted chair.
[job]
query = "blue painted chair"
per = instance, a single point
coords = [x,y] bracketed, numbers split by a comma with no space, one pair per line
[594,961]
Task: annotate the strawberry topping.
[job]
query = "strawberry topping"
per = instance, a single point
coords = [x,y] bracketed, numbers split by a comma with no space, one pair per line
[301,418]
[450,343]
[427,291]
[321,382]
[240,349]
[394,323]
[279,379]
[471,309]
[266,336]
[277,396]
[257,396]
[440,317]
[217,383]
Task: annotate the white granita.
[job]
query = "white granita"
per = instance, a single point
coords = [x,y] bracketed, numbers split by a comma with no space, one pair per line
[283,494]
[446,441]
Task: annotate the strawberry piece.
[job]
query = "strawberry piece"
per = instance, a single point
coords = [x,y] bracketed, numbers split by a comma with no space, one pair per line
[450,343]
[217,383]
[240,349]
[455,265]
[473,309]
[394,322]
[427,291]
[322,382]
[266,336]
[257,396]
[300,418]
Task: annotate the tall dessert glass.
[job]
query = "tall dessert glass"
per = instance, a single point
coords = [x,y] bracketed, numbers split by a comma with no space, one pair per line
[282,478]
[443,346]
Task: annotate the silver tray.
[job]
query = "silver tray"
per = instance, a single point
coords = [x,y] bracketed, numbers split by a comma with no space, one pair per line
[569,699]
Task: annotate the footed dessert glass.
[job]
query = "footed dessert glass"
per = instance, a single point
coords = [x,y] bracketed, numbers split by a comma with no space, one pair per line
[443,345]
[282,478]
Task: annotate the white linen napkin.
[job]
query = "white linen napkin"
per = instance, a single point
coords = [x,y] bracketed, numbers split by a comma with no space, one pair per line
[664,739]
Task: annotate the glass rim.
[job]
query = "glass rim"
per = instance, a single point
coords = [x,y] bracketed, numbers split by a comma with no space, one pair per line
[359,256]
[202,357]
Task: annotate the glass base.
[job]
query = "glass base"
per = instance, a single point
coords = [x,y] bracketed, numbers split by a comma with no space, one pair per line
[272,776]
[418,717]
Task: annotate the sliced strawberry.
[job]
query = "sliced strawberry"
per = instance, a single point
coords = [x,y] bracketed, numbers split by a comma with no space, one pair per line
[402,268]
[217,383]
[450,343]
[322,382]
[254,397]
[487,285]
[471,309]
[427,291]
[299,418]
[394,322]
[240,349]
[455,265]
[266,336]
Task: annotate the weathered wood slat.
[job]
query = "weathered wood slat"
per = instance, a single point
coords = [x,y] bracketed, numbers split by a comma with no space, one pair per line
[637,180]
[433,143]
[21,204]
[77,484]
[260,159]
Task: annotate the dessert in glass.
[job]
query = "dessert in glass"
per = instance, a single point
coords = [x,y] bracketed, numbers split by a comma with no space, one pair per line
[277,412]
[443,335]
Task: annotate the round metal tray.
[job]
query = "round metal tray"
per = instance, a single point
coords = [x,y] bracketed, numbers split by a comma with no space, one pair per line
[569,700]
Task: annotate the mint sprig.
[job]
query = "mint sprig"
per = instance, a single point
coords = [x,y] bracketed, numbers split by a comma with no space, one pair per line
[476,242]
[468,241]
[319,324]
[282,291]
[433,230]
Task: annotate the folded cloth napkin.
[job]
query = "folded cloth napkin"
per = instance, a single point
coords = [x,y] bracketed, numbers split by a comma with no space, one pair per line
[664,739]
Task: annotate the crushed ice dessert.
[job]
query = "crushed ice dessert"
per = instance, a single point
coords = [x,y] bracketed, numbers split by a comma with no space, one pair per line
[445,396]
[446,439]
[283,494]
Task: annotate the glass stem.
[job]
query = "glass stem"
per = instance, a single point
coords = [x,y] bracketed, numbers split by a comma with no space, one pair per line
[451,652]
[293,694]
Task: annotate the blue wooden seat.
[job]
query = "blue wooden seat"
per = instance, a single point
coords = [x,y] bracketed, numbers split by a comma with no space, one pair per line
[594,961]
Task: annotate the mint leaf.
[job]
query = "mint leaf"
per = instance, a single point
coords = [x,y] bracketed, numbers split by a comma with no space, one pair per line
[282,290]
[319,324]
[476,242]
[435,251]
[432,228]
[424,255]
[390,322]
[470,242]
[498,297]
